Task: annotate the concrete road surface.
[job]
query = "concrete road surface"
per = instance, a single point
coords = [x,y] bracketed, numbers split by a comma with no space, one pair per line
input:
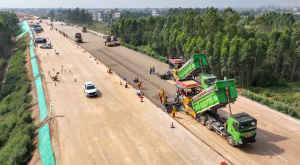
[114,127]
[278,135]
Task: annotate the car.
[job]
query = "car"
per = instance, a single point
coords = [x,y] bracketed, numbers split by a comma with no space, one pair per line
[31,21]
[89,89]
[47,45]
[40,20]
[40,40]
[37,23]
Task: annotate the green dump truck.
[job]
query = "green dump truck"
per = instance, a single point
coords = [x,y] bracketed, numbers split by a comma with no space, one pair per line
[179,68]
[202,98]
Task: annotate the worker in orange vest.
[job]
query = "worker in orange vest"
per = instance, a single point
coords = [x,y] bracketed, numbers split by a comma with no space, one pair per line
[160,96]
[163,91]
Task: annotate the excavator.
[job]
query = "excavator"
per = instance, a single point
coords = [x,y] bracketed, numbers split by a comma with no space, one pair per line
[202,97]
[108,41]
[179,68]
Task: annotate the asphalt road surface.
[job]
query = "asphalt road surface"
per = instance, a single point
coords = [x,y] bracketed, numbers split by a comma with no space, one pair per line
[277,135]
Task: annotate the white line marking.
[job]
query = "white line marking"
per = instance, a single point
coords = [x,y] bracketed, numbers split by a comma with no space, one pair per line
[197,130]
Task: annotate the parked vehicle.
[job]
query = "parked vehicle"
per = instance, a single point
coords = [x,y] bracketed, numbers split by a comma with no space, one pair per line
[78,37]
[47,45]
[89,89]
[40,40]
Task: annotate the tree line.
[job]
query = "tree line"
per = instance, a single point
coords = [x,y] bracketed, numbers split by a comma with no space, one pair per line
[256,51]
[78,15]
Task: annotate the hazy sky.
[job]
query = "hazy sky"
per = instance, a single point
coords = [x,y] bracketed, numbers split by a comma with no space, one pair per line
[142,3]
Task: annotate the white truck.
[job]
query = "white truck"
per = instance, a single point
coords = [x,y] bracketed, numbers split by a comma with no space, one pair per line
[89,89]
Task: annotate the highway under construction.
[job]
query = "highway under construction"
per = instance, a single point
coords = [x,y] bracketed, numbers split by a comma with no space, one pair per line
[117,128]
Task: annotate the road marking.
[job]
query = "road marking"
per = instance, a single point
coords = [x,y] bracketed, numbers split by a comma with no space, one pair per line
[197,130]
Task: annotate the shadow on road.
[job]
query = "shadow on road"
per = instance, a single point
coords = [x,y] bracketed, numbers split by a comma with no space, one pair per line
[265,144]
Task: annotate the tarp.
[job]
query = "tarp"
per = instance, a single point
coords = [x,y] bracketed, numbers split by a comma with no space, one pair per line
[45,147]
[35,68]
[32,51]
[41,98]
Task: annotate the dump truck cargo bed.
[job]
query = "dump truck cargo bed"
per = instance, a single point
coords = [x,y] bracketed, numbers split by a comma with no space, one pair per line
[193,66]
[215,96]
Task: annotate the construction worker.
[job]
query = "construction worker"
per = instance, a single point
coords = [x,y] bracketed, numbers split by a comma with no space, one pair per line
[137,79]
[150,69]
[109,70]
[163,91]
[139,85]
[174,111]
[153,69]
[160,96]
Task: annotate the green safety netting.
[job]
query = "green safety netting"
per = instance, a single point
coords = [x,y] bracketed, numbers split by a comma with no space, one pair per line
[25,28]
[32,51]
[35,68]
[45,147]
[41,98]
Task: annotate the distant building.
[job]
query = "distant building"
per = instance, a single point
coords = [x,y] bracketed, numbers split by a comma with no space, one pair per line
[155,12]
[295,9]
[103,16]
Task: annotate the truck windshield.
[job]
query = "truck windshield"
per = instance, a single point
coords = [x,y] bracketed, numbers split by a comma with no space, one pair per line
[84,28]
[90,87]
[108,39]
[115,39]
[209,81]
[244,126]
[78,36]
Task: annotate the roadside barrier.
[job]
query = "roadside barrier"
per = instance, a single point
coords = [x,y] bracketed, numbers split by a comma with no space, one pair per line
[45,148]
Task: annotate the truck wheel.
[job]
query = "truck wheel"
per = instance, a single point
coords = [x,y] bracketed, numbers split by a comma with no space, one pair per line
[208,125]
[230,141]
[202,120]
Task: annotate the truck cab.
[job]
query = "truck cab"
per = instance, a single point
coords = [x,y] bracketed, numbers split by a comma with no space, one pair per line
[208,80]
[241,128]
[78,37]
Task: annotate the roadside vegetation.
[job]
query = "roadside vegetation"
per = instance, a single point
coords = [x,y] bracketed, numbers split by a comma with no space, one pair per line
[8,27]
[100,27]
[16,124]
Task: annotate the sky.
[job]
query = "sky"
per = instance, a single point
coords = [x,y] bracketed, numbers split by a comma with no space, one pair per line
[143,3]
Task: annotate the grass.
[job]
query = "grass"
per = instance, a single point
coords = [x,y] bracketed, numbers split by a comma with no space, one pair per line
[98,27]
[289,95]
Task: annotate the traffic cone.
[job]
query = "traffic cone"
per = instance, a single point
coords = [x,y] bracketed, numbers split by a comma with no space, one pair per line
[62,66]
[120,82]
[75,79]
[97,62]
[53,69]
[172,126]
[55,50]
[70,70]
[90,56]
[141,99]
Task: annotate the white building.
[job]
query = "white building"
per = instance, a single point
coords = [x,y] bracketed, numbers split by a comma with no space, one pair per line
[155,12]
[295,9]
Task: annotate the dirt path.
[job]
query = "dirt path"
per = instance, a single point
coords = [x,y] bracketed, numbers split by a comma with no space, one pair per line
[115,127]
[277,133]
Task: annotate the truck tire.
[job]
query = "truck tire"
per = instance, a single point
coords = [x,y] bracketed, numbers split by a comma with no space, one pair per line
[230,141]
[203,120]
[208,125]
